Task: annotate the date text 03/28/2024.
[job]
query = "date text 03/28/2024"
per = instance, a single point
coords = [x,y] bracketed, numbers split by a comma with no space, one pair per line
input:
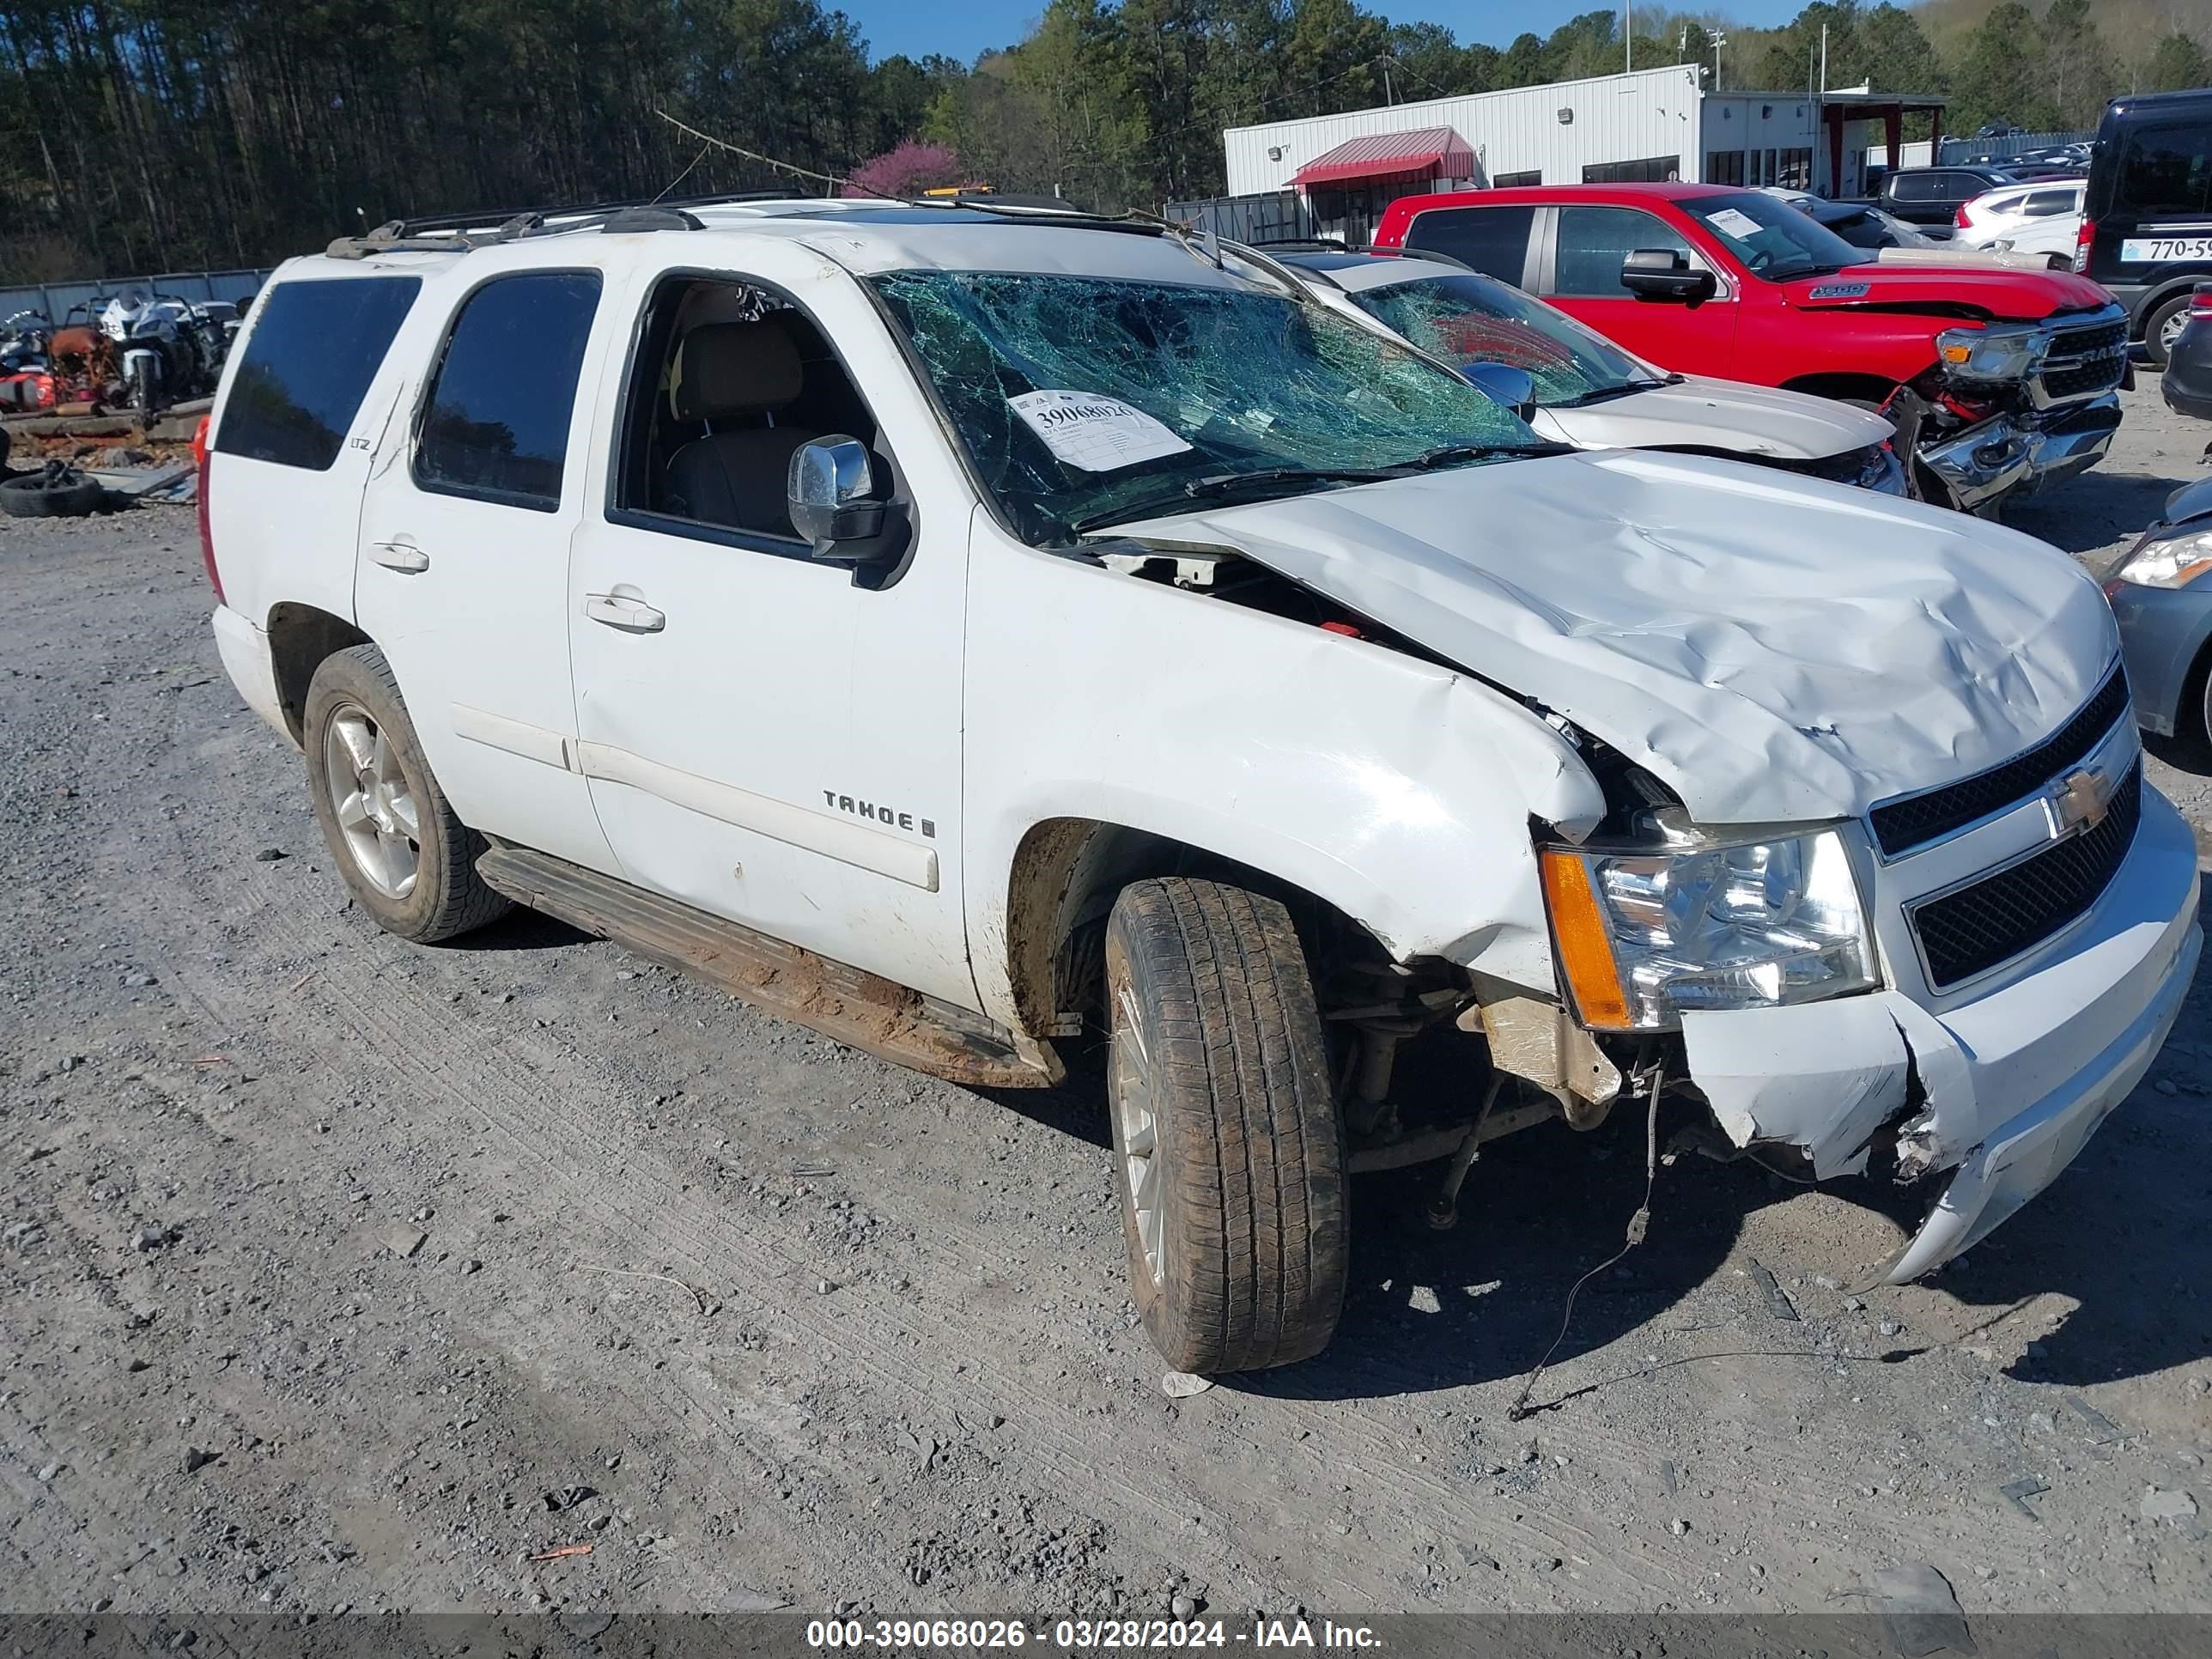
[1086,1634]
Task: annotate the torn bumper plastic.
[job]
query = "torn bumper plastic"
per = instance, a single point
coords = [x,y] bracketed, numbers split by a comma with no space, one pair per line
[2012,1083]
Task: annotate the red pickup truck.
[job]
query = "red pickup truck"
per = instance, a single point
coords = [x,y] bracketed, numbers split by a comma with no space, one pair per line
[1995,378]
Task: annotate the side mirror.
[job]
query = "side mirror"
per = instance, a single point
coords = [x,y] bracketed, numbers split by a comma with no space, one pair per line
[1663,273]
[832,496]
[1502,383]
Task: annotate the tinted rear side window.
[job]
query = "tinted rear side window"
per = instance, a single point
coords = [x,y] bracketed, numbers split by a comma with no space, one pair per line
[1493,240]
[313,351]
[2167,171]
[497,425]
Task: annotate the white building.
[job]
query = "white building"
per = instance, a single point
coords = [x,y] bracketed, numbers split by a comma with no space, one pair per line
[1655,124]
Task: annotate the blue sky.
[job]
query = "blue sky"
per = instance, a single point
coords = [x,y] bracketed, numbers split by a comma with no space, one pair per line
[895,25]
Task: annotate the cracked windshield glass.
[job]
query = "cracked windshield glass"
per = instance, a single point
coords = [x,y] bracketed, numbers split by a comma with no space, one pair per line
[1472,319]
[1086,401]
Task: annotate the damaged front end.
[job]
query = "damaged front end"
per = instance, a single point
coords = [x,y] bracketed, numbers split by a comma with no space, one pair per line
[2014,405]
[2037,926]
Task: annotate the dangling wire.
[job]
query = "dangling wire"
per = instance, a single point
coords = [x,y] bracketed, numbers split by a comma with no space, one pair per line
[1638,1226]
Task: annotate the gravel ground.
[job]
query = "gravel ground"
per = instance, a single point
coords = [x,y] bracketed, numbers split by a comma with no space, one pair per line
[343,1274]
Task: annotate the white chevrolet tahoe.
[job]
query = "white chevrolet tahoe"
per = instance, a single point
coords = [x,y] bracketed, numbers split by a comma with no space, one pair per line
[964,631]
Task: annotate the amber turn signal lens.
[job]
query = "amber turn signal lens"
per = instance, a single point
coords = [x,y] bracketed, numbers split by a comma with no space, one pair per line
[1585,952]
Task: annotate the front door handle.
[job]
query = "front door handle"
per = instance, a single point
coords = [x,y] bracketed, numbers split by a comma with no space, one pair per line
[401,556]
[623,610]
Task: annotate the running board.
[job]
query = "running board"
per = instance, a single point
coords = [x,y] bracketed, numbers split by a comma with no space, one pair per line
[847,1005]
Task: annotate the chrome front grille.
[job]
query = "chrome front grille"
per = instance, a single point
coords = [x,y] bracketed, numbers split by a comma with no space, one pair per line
[1900,826]
[1990,921]
[2084,362]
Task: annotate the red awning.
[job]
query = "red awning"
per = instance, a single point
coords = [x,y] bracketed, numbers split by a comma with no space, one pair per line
[1427,152]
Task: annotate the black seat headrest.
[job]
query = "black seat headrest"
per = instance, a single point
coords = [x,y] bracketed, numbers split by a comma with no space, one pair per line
[735,369]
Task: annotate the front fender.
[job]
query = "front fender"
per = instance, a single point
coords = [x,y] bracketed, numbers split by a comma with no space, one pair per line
[1397,790]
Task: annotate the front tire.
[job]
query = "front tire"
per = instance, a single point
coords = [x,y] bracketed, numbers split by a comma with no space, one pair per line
[410,863]
[1229,1150]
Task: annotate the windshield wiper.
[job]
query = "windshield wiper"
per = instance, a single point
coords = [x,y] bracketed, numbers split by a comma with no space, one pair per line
[1226,483]
[1600,394]
[1445,454]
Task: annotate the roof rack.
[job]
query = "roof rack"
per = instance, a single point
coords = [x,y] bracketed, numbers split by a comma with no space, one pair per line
[461,233]
[399,237]
[418,226]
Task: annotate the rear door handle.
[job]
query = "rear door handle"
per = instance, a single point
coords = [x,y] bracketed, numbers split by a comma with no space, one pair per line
[631,614]
[401,556]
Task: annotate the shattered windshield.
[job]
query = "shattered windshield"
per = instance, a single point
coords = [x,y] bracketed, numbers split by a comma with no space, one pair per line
[1084,401]
[1465,318]
[1775,242]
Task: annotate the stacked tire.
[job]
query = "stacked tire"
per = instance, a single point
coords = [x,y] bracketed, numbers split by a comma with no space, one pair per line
[56,491]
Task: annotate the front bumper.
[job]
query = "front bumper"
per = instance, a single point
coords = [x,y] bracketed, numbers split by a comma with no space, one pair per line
[2002,1089]
[2026,451]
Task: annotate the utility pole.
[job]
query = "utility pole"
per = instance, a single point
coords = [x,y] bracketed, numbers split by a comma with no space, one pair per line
[1719,41]
[1628,36]
[1823,57]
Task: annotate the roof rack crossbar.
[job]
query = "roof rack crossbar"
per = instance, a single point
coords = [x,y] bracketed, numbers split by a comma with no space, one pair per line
[399,237]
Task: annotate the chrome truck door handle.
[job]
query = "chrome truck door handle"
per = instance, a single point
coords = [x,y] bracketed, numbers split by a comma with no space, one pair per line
[401,556]
[632,616]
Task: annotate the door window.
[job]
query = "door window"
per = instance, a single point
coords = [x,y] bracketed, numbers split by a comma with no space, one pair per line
[315,348]
[1493,240]
[732,381]
[2044,203]
[1915,187]
[1595,242]
[496,425]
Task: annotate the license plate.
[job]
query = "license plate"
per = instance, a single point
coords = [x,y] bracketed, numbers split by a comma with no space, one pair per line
[2156,250]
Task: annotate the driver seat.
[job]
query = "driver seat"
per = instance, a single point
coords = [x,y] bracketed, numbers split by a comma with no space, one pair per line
[738,478]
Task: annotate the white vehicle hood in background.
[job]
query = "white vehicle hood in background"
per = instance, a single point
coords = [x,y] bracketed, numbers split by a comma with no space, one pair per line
[1775,649]
[1756,422]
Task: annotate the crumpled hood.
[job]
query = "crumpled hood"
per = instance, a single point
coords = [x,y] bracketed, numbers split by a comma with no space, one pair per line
[1751,420]
[2004,294]
[1774,648]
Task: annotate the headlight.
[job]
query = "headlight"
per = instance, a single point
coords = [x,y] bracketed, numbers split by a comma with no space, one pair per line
[2006,353]
[1645,936]
[2167,558]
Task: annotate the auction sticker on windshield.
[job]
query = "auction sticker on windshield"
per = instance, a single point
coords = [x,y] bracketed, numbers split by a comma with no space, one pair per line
[1735,222]
[1095,433]
[2150,250]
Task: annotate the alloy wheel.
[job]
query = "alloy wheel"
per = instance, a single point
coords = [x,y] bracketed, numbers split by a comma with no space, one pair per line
[1137,1127]
[375,808]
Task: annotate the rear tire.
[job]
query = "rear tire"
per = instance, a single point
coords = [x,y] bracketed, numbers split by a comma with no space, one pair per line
[359,739]
[2157,346]
[1229,1148]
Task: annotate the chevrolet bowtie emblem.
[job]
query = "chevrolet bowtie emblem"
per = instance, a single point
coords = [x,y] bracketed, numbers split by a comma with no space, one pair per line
[2079,801]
